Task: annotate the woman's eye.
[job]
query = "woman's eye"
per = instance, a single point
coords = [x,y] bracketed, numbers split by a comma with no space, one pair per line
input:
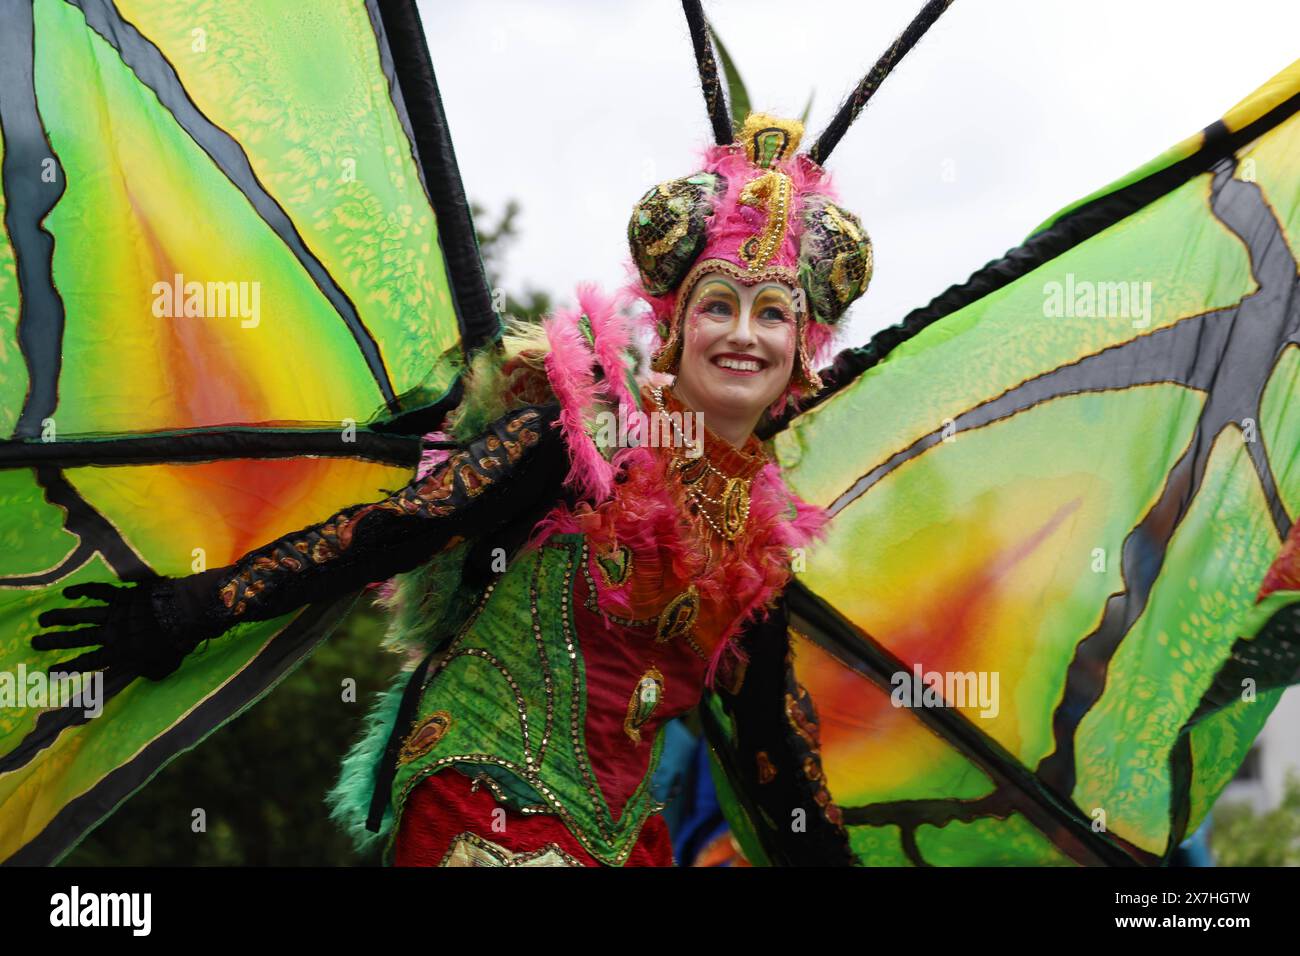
[718,307]
[774,314]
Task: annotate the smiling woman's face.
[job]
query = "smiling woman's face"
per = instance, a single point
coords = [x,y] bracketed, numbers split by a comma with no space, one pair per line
[739,347]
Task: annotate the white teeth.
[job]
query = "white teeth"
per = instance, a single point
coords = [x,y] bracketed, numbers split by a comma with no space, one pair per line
[742,365]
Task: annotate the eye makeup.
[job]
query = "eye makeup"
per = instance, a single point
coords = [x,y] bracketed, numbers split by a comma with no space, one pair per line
[716,297]
[774,303]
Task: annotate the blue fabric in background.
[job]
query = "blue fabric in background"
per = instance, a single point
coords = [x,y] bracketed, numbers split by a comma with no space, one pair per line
[1195,850]
[683,781]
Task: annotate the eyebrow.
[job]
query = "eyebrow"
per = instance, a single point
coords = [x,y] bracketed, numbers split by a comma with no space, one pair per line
[704,288]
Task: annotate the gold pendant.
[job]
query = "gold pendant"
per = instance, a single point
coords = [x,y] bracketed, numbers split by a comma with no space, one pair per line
[643,703]
[735,508]
[678,617]
[425,737]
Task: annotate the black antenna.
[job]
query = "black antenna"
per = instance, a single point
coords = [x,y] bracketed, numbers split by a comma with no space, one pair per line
[713,99]
[871,82]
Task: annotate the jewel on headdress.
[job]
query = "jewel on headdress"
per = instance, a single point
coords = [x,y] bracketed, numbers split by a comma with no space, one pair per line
[769,139]
[667,228]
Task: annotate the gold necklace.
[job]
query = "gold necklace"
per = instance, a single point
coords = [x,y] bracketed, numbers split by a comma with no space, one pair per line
[733,502]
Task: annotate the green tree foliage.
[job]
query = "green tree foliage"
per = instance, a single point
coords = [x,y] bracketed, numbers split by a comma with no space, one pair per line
[494,240]
[1242,837]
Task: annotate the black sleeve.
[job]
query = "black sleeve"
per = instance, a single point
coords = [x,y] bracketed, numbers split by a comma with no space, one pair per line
[510,474]
[777,751]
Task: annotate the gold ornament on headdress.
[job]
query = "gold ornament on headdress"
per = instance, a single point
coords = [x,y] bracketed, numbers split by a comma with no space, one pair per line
[770,193]
[769,139]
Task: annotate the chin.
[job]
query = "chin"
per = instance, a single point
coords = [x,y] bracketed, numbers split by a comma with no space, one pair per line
[744,395]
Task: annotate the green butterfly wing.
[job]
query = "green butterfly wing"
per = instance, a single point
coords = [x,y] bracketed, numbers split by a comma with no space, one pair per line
[1054,504]
[237,281]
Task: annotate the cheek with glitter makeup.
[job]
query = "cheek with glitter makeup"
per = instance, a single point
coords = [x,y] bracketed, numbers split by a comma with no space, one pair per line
[788,343]
[696,315]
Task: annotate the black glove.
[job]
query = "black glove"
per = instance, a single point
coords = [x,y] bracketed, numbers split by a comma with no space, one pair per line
[136,630]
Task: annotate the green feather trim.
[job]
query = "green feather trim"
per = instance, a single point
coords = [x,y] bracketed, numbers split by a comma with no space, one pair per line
[422,602]
[349,799]
[426,607]
[482,402]
[486,387]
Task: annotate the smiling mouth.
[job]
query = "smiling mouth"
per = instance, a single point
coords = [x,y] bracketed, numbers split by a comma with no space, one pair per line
[739,364]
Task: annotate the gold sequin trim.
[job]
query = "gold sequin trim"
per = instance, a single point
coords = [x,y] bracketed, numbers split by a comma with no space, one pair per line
[771,193]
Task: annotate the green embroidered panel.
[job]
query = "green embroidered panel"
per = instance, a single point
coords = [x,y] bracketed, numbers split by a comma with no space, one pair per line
[509,700]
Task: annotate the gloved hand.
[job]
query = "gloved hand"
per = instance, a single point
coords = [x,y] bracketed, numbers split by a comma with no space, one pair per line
[128,631]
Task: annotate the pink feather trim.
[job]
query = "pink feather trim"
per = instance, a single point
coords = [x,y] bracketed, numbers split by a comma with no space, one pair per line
[431,458]
[613,337]
[570,370]
[568,367]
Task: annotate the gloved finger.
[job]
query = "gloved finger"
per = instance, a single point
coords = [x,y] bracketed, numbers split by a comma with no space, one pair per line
[91,661]
[61,640]
[64,616]
[95,590]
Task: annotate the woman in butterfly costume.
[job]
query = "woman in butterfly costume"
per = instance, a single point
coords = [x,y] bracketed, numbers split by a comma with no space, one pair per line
[565,585]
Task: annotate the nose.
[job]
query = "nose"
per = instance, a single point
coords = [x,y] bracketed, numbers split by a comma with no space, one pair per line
[742,330]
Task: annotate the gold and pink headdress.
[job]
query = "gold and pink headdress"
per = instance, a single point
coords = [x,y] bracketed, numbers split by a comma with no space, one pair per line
[759,210]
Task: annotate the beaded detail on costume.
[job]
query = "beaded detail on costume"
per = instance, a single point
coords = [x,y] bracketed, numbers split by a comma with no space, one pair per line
[462,477]
[802,715]
[520,706]
[725,512]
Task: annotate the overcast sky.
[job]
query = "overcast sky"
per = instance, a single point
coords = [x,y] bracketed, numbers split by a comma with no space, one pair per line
[1005,112]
